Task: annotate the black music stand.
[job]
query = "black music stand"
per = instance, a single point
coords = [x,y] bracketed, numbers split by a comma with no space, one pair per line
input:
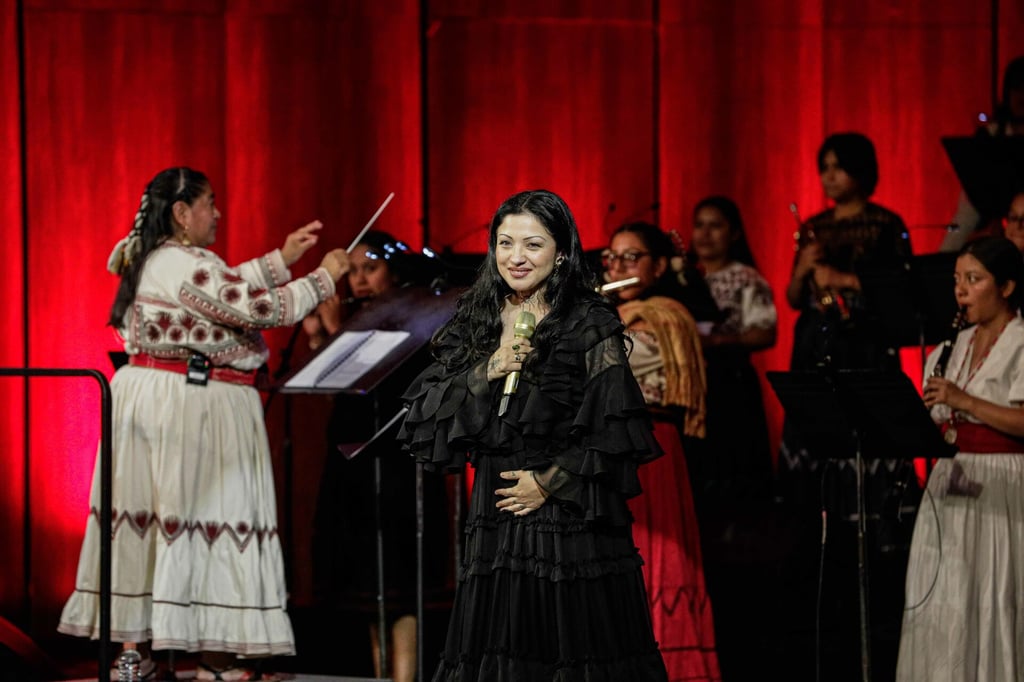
[990,170]
[859,414]
[417,312]
[914,304]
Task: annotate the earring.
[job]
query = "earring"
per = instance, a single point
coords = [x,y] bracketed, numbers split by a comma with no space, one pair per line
[559,261]
[185,241]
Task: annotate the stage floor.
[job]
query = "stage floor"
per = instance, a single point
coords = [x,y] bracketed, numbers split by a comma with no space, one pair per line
[290,677]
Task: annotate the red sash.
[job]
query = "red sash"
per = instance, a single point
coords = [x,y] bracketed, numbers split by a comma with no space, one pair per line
[226,374]
[983,439]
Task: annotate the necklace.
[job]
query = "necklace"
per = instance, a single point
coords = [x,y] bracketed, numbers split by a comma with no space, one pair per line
[973,368]
[523,302]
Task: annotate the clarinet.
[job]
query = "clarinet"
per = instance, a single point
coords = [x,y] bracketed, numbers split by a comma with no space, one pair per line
[947,346]
[826,298]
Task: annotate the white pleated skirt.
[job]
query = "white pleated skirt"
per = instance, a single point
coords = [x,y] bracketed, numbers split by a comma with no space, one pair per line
[197,562]
[964,614]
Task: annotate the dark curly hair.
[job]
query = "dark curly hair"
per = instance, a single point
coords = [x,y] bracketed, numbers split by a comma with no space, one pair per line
[478,312]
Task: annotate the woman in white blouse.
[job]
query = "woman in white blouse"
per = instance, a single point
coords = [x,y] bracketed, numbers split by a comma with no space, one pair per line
[197,563]
[964,614]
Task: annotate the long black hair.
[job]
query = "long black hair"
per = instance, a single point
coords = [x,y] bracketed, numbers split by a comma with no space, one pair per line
[739,248]
[154,225]
[477,319]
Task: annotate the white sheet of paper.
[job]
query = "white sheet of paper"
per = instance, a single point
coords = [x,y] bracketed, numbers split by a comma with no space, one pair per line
[347,358]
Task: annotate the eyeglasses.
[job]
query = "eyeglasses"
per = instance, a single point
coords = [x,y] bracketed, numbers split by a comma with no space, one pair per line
[629,258]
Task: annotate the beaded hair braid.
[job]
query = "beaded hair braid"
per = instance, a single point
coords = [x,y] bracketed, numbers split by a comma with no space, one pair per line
[152,226]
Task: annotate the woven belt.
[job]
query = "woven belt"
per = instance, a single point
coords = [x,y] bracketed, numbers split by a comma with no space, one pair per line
[225,374]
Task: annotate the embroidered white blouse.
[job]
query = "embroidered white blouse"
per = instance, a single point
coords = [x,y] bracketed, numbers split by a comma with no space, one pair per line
[188,300]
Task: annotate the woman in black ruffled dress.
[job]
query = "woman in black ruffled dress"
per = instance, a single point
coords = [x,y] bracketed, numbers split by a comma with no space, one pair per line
[550,586]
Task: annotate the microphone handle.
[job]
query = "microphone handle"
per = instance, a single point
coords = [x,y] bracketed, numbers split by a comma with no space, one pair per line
[506,398]
[511,384]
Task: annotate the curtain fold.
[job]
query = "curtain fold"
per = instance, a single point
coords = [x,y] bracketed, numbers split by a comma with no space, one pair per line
[12,318]
[630,110]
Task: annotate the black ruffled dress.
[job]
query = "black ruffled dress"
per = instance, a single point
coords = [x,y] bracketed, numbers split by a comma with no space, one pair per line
[557,594]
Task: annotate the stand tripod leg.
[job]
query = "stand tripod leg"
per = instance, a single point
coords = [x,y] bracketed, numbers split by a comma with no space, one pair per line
[419,571]
[382,622]
[862,572]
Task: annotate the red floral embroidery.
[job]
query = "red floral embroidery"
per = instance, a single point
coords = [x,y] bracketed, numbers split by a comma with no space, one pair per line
[231,295]
[218,335]
[199,334]
[188,321]
[261,309]
[140,521]
[212,531]
[256,293]
[232,277]
[200,277]
[172,525]
[176,335]
[164,320]
[153,333]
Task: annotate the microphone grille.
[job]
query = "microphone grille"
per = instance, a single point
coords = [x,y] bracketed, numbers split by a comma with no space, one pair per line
[525,324]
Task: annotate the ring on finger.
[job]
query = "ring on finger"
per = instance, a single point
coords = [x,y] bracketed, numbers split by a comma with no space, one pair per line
[518,358]
[515,346]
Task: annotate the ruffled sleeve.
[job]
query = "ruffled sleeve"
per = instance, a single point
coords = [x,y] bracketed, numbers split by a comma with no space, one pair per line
[448,413]
[609,437]
[578,418]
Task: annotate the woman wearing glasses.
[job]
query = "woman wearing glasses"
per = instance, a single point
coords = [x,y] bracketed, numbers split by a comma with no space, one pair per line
[1013,224]
[667,363]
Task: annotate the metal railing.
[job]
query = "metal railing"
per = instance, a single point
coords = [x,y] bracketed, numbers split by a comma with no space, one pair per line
[106,481]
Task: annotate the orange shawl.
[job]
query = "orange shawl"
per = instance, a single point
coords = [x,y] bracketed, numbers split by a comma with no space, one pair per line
[681,355]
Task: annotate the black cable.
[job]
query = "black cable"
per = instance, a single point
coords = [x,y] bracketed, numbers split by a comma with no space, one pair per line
[938,537]
[821,575]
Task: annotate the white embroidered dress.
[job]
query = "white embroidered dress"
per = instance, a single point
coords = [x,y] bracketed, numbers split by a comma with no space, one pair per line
[964,614]
[197,562]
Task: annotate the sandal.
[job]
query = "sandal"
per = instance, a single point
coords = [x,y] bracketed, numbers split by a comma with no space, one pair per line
[147,670]
[232,673]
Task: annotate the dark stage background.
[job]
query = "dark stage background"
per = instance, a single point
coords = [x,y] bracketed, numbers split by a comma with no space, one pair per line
[299,110]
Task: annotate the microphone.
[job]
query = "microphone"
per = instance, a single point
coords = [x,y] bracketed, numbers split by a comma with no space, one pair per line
[523,329]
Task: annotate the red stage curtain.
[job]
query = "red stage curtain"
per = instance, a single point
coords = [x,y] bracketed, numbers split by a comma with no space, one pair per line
[12,319]
[294,113]
[322,121]
[315,111]
[523,95]
[749,93]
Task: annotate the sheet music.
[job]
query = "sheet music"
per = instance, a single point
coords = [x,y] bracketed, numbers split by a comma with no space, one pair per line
[348,357]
